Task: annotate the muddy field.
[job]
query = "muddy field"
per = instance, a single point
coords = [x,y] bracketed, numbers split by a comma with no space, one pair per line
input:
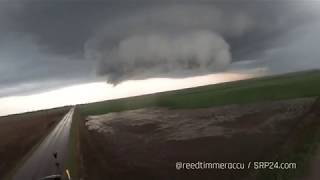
[20,133]
[147,143]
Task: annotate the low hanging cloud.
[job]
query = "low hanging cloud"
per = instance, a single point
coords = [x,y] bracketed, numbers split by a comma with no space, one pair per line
[54,43]
[161,55]
[186,40]
[170,41]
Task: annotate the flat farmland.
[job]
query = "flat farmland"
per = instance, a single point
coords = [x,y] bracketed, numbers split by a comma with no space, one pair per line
[146,143]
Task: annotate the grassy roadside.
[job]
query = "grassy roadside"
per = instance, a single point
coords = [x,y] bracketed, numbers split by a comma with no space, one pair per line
[302,145]
[73,161]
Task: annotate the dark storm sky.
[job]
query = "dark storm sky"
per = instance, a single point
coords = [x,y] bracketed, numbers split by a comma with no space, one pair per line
[52,43]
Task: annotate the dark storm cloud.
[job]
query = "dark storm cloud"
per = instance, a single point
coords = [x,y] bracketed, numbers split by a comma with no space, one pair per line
[243,30]
[64,26]
[24,64]
[52,43]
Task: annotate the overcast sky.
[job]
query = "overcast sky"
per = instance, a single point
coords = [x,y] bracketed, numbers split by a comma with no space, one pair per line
[48,44]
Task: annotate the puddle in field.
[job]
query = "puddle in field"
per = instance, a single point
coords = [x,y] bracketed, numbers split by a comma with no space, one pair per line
[206,122]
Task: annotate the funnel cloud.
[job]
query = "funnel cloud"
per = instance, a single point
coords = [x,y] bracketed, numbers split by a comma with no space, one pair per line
[56,43]
[161,55]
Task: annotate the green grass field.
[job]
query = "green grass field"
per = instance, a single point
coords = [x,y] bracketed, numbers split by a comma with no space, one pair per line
[288,86]
[293,85]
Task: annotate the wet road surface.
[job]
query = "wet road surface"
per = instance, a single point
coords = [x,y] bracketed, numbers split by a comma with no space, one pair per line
[41,162]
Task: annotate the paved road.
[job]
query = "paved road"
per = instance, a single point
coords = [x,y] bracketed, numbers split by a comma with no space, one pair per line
[41,162]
